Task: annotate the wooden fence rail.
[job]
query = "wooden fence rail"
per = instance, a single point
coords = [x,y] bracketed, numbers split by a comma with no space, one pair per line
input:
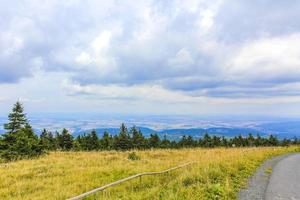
[127,179]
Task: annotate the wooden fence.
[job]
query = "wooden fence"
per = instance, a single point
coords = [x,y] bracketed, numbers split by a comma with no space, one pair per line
[127,179]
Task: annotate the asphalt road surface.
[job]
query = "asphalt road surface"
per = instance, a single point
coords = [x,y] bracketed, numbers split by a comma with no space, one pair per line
[284,183]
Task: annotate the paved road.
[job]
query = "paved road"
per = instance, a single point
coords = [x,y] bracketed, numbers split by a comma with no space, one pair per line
[284,183]
[257,184]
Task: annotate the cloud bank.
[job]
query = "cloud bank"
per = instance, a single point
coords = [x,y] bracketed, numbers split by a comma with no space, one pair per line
[194,49]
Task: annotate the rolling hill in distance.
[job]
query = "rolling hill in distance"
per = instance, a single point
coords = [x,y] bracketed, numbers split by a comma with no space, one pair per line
[173,127]
[175,134]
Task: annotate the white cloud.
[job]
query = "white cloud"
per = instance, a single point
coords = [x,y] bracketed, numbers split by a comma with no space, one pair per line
[182,60]
[101,43]
[207,20]
[83,59]
[152,93]
[10,44]
[97,60]
[274,59]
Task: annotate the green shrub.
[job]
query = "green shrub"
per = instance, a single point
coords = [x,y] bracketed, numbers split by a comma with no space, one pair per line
[215,192]
[133,156]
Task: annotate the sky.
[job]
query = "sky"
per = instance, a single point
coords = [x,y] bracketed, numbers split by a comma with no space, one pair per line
[197,57]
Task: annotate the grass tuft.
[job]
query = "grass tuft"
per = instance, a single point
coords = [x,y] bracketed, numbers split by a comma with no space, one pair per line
[133,156]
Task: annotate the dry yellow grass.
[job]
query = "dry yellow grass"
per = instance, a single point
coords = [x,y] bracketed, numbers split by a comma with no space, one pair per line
[217,174]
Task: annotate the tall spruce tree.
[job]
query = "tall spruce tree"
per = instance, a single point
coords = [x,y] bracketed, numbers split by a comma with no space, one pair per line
[106,142]
[123,140]
[65,140]
[93,141]
[17,119]
[207,141]
[19,141]
[137,139]
[47,140]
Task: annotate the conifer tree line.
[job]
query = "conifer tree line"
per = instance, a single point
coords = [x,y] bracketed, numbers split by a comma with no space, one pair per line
[20,141]
[133,139]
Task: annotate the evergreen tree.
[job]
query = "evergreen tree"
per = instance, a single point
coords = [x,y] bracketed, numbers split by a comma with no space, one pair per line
[165,143]
[93,141]
[154,141]
[17,119]
[77,144]
[258,141]
[122,141]
[186,141]
[273,141]
[65,140]
[47,140]
[137,139]
[216,141]
[19,141]
[106,142]
[83,142]
[239,141]
[206,141]
[251,140]
[224,142]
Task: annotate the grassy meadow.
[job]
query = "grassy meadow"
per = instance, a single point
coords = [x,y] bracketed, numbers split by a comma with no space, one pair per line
[217,174]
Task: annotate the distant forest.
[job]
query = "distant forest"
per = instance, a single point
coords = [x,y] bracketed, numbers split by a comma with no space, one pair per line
[134,139]
[20,141]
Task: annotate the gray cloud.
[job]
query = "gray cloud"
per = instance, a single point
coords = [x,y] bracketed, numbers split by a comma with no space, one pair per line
[240,20]
[197,49]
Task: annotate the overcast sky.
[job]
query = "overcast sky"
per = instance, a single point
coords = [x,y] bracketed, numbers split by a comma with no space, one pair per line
[151,57]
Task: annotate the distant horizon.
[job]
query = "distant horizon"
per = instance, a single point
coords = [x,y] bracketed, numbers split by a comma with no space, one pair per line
[88,115]
[221,125]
